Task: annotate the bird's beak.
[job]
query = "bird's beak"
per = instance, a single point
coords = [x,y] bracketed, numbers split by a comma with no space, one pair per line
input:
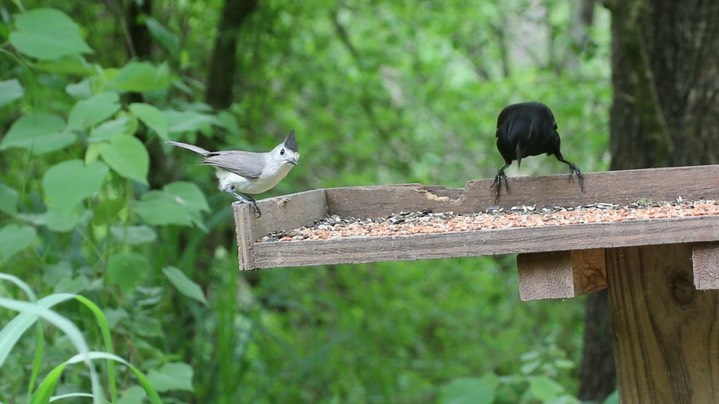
[292,161]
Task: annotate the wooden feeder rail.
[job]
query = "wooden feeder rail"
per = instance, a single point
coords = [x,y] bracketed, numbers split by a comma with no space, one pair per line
[662,274]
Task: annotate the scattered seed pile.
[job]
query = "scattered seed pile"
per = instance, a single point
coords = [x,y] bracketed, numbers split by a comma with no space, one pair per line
[423,222]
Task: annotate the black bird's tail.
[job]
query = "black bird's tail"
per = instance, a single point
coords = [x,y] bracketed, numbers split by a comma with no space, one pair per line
[518,154]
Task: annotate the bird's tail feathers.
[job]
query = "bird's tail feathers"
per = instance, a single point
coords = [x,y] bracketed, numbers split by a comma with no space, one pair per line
[518,153]
[190,147]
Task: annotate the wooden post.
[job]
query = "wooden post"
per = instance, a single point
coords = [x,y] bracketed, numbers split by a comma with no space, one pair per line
[666,332]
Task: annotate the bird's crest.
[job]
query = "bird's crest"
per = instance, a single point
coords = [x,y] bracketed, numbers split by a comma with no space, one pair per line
[291,142]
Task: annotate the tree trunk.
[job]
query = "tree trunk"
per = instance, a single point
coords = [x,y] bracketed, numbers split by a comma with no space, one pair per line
[582,21]
[665,112]
[221,78]
[140,43]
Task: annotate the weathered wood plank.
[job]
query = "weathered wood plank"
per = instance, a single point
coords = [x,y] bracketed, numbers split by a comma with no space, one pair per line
[245,241]
[382,200]
[705,262]
[560,274]
[621,187]
[486,242]
[278,213]
[590,271]
[546,275]
[666,338]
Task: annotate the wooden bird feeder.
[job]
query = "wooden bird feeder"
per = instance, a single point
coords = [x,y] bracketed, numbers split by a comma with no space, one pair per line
[662,273]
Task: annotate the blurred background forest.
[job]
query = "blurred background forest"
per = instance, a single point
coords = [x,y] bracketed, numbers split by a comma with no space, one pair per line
[93,203]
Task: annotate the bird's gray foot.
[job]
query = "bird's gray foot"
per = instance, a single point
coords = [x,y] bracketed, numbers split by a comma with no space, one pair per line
[498,180]
[573,169]
[247,199]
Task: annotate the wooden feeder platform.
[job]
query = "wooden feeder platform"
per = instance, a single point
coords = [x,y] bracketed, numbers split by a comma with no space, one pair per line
[662,273]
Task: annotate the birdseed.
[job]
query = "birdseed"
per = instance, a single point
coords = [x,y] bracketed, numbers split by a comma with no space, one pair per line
[495,217]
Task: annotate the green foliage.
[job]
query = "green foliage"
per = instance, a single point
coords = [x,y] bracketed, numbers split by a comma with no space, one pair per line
[388,92]
[480,390]
[35,311]
[39,133]
[14,238]
[10,90]
[47,34]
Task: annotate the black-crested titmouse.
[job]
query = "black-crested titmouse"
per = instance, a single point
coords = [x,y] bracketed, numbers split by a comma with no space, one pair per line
[242,173]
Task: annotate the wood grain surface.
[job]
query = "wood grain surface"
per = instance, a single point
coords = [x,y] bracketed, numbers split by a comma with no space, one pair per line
[561,274]
[620,187]
[666,333]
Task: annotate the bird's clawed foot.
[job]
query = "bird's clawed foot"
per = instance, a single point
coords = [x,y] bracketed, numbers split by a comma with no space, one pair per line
[573,169]
[248,199]
[498,180]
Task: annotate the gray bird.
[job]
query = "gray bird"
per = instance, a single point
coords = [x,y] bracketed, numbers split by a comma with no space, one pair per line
[241,173]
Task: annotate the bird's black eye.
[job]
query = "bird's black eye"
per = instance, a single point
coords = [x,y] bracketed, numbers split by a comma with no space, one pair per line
[282,152]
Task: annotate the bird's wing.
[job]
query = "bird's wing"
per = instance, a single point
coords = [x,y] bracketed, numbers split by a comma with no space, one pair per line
[190,147]
[506,112]
[244,164]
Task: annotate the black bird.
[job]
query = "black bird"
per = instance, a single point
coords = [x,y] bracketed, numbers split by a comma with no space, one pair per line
[528,129]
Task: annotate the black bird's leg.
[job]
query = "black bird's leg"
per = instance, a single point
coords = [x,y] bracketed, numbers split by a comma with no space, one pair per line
[498,180]
[573,169]
[247,199]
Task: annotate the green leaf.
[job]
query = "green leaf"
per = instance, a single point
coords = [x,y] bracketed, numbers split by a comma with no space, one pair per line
[71,285]
[152,117]
[470,390]
[132,395]
[74,65]
[544,388]
[142,76]
[109,129]
[68,183]
[14,238]
[164,37]
[39,133]
[8,200]
[530,367]
[188,195]
[188,121]
[62,220]
[127,156]
[563,364]
[87,113]
[148,326]
[184,285]
[127,270]
[612,398]
[160,208]
[107,356]
[80,90]
[172,376]
[10,90]
[134,234]
[179,203]
[53,274]
[228,121]
[47,34]
[107,211]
